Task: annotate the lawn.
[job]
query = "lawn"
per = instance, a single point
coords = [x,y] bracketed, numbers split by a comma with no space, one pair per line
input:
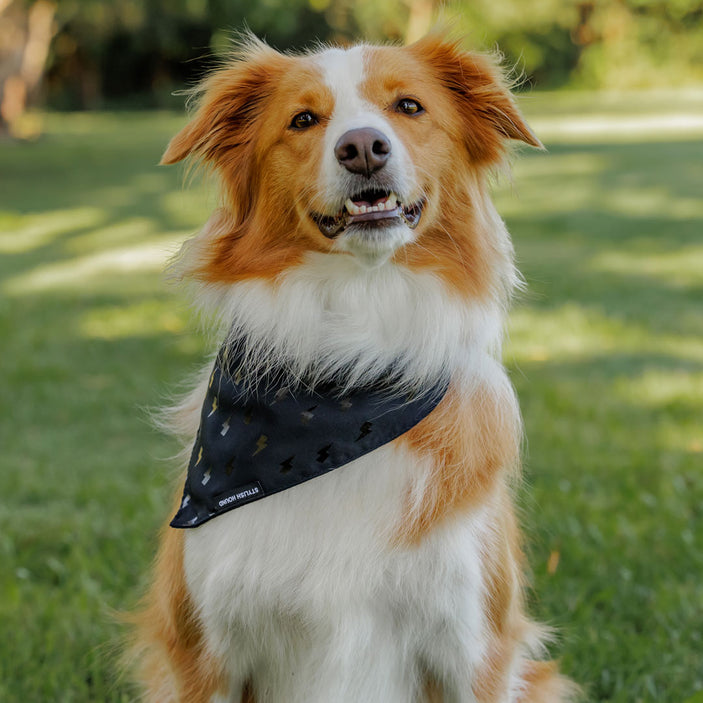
[605,349]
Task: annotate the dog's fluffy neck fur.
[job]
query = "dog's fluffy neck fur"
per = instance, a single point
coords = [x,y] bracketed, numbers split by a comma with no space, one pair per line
[355,324]
[333,316]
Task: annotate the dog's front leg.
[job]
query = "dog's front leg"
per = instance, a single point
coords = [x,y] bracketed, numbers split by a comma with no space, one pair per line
[348,655]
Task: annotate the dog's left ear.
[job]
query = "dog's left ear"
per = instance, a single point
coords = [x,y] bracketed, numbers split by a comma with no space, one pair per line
[476,84]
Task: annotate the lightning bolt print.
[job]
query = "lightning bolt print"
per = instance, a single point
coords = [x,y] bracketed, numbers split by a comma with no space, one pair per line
[206,477]
[214,406]
[261,444]
[364,430]
[323,454]
[200,456]
[307,415]
[225,426]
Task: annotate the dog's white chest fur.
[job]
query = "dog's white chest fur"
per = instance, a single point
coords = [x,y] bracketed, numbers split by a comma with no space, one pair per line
[307,590]
[310,589]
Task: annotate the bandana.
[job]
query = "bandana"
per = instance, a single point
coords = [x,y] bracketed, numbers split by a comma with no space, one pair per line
[258,438]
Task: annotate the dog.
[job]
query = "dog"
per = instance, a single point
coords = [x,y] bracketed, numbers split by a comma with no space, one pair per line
[356,264]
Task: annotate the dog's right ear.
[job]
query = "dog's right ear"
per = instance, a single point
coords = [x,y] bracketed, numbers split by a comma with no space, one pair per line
[230,101]
[222,133]
[184,143]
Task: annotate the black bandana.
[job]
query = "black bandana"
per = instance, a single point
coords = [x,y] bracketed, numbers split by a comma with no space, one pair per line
[258,439]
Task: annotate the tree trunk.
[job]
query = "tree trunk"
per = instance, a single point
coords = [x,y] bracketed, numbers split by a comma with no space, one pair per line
[420,19]
[26,31]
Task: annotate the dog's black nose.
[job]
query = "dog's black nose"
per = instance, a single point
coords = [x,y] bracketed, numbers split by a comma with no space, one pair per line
[363,150]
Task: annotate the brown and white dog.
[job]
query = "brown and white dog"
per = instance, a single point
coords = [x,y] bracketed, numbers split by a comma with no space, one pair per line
[356,232]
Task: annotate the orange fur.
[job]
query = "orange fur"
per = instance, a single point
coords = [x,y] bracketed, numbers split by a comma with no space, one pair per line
[173,663]
[488,114]
[431,690]
[472,442]
[236,131]
[466,263]
[546,685]
[504,602]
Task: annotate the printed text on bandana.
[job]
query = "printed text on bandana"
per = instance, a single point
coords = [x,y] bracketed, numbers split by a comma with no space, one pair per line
[241,495]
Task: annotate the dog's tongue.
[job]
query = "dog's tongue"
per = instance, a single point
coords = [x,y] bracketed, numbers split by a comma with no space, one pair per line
[369,202]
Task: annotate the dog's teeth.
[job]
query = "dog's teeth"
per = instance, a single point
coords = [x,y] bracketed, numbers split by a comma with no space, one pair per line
[388,203]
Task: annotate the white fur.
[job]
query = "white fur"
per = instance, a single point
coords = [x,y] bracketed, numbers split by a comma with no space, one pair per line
[344,72]
[306,592]
[329,316]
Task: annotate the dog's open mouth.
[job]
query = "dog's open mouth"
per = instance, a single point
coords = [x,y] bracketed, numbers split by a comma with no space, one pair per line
[370,208]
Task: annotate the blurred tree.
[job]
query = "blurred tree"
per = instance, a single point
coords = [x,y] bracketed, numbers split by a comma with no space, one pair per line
[112,50]
[26,30]
[139,50]
[591,43]
[373,20]
[636,43]
[536,37]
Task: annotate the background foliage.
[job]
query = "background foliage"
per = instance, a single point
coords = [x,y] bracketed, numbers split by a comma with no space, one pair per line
[92,53]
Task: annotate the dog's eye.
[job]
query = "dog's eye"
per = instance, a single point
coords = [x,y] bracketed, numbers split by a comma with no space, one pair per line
[408,106]
[303,120]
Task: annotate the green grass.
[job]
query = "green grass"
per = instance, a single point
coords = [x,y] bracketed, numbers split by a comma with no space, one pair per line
[606,351]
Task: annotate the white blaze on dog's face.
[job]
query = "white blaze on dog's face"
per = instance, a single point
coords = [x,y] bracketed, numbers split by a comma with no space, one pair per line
[370,152]
[370,195]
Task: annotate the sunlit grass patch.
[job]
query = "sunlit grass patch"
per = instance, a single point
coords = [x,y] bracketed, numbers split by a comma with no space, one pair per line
[78,272]
[147,318]
[620,116]
[681,267]
[20,233]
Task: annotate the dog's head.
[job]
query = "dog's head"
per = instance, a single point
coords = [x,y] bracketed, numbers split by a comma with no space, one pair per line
[373,152]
